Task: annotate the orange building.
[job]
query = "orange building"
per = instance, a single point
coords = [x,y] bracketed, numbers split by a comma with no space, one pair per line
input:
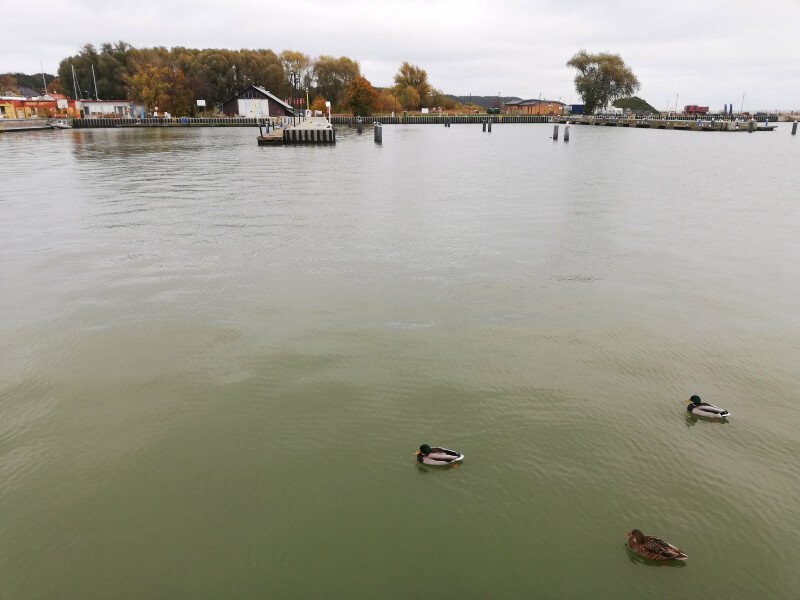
[51,105]
[534,107]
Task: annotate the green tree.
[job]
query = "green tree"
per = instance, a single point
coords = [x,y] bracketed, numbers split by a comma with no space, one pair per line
[299,63]
[602,78]
[361,97]
[332,75]
[408,97]
[111,65]
[409,75]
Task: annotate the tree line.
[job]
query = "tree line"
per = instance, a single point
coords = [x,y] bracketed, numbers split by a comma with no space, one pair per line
[173,78]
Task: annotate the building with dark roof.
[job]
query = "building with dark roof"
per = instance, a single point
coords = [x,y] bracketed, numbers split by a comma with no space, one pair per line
[255,101]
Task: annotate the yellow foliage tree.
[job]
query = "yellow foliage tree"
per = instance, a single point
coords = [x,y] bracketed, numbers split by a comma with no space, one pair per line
[163,87]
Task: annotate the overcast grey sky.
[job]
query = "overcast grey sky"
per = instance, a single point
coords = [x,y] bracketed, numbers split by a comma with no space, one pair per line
[708,52]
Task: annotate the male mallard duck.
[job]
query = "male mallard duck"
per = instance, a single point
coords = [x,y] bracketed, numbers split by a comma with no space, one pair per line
[653,548]
[704,409]
[438,457]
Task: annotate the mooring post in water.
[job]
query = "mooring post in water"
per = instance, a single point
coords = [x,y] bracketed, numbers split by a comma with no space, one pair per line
[359,125]
[484,124]
[490,126]
[555,132]
[566,133]
[750,126]
[794,128]
[378,130]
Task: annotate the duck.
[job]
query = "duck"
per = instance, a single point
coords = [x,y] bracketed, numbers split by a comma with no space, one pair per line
[437,456]
[653,548]
[703,409]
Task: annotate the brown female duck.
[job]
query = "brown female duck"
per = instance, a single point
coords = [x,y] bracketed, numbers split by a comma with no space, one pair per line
[653,548]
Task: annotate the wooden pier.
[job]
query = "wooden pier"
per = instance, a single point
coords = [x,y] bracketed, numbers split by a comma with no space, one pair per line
[678,125]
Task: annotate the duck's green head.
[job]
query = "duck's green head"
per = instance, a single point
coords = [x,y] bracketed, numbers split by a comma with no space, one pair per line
[695,400]
[425,449]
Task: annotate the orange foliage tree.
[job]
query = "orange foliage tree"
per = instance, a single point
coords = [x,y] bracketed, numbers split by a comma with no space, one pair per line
[318,103]
[361,97]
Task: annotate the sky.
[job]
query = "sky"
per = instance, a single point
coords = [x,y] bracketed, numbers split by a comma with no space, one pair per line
[696,52]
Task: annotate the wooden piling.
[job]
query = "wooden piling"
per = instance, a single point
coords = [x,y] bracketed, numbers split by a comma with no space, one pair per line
[794,128]
[555,132]
[490,126]
[566,133]
[378,131]
[484,126]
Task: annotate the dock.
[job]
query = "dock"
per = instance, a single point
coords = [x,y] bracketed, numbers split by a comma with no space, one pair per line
[678,125]
[313,130]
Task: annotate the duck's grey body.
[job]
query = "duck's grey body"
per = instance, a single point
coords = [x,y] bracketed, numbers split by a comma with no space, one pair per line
[704,409]
[439,457]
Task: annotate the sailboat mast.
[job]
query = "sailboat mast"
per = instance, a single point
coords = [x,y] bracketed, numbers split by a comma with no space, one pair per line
[95,84]
[74,82]
[44,81]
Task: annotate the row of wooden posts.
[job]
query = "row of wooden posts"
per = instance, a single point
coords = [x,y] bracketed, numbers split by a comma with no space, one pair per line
[377,130]
[293,136]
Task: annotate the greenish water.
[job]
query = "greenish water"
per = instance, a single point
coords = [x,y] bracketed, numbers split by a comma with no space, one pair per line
[217,360]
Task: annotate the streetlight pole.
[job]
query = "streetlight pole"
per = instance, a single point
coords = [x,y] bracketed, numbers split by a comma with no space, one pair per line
[291,93]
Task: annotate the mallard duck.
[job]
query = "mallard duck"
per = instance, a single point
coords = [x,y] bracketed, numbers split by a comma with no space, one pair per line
[438,457]
[653,548]
[704,409]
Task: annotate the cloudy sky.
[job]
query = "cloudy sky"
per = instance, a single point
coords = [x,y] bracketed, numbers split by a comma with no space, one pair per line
[707,52]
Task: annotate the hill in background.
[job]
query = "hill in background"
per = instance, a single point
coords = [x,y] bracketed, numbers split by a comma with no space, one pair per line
[635,104]
[484,101]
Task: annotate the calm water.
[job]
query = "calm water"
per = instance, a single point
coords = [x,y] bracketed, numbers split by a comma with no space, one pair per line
[217,360]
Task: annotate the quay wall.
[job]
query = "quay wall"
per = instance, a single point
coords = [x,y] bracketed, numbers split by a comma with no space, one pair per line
[440,119]
[161,122]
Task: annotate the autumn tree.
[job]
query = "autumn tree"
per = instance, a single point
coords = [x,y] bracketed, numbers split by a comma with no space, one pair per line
[163,87]
[408,97]
[601,79]
[332,75]
[8,85]
[409,75]
[361,97]
[300,64]
[388,102]
[318,103]
[55,86]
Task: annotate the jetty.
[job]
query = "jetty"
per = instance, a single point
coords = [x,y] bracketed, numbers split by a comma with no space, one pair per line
[313,130]
[750,126]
